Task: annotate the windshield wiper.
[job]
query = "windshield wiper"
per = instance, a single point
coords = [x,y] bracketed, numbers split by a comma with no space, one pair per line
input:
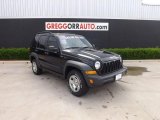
[85,47]
[72,47]
[77,47]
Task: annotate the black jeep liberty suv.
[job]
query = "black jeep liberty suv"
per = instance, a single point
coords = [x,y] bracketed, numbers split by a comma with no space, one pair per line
[76,59]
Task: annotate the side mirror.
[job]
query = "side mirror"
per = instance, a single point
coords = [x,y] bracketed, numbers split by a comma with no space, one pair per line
[53,49]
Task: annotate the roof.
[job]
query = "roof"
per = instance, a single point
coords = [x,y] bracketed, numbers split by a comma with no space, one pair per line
[58,34]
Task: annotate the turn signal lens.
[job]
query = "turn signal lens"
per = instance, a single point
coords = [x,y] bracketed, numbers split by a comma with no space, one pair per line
[91,81]
[92,72]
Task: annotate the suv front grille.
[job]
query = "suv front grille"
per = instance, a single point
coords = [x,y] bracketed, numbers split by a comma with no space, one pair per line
[111,66]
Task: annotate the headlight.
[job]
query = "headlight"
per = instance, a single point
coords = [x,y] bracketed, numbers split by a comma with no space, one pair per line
[97,65]
[120,58]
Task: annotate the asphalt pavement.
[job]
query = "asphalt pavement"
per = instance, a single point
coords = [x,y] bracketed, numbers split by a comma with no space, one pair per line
[25,96]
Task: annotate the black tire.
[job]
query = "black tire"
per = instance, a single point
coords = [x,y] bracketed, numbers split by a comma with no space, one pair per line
[83,89]
[38,70]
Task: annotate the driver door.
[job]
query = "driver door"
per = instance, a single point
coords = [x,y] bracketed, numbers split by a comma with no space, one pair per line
[53,56]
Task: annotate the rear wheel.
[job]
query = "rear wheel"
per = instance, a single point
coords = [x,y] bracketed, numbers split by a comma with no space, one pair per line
[36,70]
[76,83]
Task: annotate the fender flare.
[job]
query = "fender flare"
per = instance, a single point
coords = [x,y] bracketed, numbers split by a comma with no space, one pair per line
[32,54]
[79,65]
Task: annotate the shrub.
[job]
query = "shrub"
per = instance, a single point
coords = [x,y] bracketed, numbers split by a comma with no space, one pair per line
[126,53]
[14,53]
[137,53]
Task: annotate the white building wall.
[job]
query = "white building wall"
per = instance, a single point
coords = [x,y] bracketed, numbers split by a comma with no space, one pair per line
[114,9]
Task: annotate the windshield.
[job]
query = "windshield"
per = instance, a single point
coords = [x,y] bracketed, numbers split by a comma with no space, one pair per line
[69,42]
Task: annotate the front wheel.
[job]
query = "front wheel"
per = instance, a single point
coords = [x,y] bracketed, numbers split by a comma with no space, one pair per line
[77,83]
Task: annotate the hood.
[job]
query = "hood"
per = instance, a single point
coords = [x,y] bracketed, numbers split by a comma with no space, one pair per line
[92,54]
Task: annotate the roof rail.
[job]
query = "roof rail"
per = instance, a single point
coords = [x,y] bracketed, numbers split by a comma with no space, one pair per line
[44,32]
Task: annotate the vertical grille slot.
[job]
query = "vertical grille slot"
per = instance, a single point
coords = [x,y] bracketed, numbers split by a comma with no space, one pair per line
[111,66]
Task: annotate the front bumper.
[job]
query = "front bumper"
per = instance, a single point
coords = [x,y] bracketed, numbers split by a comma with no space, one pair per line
[100,80]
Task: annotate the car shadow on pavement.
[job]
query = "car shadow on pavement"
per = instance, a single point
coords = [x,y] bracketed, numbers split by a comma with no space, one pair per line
[108,90]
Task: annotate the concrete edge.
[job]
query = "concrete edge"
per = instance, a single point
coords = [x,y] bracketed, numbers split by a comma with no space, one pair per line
[27,61]
[14,61]
[155,60]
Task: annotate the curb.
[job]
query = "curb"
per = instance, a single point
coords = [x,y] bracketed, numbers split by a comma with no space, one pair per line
[14,61]
[156,60]
[27,61]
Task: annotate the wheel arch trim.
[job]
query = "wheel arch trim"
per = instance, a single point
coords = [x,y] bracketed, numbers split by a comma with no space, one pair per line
[75,64]
[36,57]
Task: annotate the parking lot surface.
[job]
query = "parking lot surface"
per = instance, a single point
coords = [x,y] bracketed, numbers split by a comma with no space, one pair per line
[25,96]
